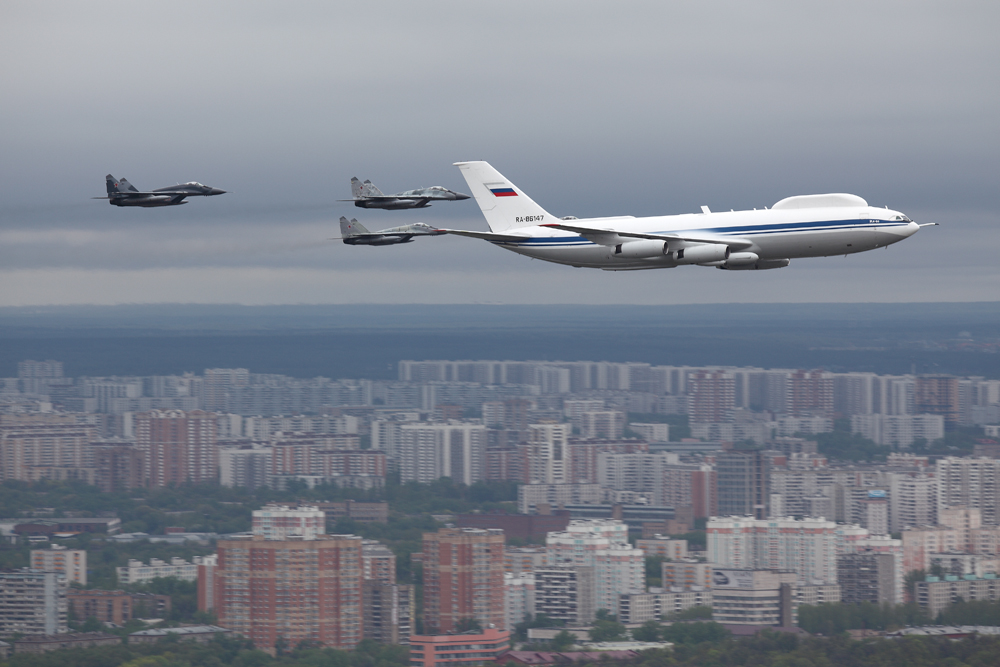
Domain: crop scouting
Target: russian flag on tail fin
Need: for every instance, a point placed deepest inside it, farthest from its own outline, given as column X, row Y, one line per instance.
column 500, row 189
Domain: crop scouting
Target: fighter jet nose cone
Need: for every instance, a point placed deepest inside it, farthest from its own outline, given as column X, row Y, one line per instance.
column 459, row 196
column 217, row 191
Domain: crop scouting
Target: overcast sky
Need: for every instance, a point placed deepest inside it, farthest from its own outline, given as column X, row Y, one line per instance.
column 641, row 108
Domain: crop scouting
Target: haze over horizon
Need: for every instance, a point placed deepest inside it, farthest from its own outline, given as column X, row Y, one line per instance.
column 598, row 110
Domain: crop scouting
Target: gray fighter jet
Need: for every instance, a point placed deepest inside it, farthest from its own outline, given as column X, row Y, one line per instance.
column 367, row 195
column 123, row 193
column 354, row 233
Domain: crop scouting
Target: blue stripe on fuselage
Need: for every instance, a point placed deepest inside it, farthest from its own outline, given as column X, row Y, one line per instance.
column 787, row 227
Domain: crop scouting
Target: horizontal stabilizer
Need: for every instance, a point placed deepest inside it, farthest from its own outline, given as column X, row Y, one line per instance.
column 588, row 232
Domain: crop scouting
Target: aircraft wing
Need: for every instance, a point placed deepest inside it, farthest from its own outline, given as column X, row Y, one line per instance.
column 486, row 236
column 597, row 234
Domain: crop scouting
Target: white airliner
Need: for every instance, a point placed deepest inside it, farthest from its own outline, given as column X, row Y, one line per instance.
column 803, row 226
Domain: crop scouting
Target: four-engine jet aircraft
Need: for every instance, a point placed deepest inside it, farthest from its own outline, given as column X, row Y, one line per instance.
column 802, row 226
column 354, row 233
column 123, row 193
column 366, row 195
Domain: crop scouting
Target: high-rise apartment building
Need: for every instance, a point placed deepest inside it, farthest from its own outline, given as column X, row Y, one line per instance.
column 429, row 451
column 47, row 448
column 810, row 393
column 566, row 593
column 245, row 466
column 601, row 424
column 378, row 563
column 808, row 547
column 545, row 456
column 912, row 501
column 518, row 597
column 178, row 447
column 277, row 522
column 970, row 482
column 32, row 602
column 463, row 578
column 71, row 563
column 866, row 576
column 712, row 395
column 938, row 395
column 899, row 431
column 742, row 482
column 602, row 544
column 295, row 590
column 219, row 385
column 119, row 467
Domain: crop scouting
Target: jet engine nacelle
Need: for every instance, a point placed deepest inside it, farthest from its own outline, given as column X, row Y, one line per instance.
column 741, row 260
column 758, row 265
column 702, row 254
column 641, row 249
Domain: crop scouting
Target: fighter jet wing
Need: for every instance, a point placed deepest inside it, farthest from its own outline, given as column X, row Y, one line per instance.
column 486, row 236
column 599, row 235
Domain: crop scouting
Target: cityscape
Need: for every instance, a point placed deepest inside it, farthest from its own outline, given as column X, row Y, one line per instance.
column 292, row 418
column 626, row 494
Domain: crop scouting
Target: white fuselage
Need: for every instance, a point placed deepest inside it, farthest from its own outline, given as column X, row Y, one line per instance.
column 776, row 234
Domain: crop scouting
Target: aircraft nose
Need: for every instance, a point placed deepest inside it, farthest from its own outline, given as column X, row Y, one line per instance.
column 459, row 196
column 216, row 191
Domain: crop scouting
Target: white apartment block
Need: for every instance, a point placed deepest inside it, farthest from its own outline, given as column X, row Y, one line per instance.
column 530, row 496
column 972, row 483
column 899, row 431
column 603, row 424
column 807, row 547
column 32, row 603
column 137, row 572
column 664, row 546
column 277, row 522
column 547, row 453
column 518, row 597
column 652, row 432
column 634, row 608
column 912, row 501
column 429, row 451
column 248, row 468
column 789, row 426
column 71, row 563
column 573, row 408
column 686, row 574
column 602, row 544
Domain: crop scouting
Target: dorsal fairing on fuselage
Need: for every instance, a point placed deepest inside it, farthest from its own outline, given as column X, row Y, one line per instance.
column 830, row 200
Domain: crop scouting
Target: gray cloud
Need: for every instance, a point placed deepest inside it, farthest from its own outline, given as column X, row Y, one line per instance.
column 644, row 108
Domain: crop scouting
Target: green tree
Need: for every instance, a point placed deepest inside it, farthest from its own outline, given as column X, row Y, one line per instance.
column 607, row 631
column 654, row 570
column 690, row 614
column 650, row 631
column 562, row 641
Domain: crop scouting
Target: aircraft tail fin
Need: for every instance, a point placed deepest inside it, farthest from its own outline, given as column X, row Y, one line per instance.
column 357, row 189
column 112, row 184
column 124, row 186
column 351, row 228
column 369, row 190
column 503, row 204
